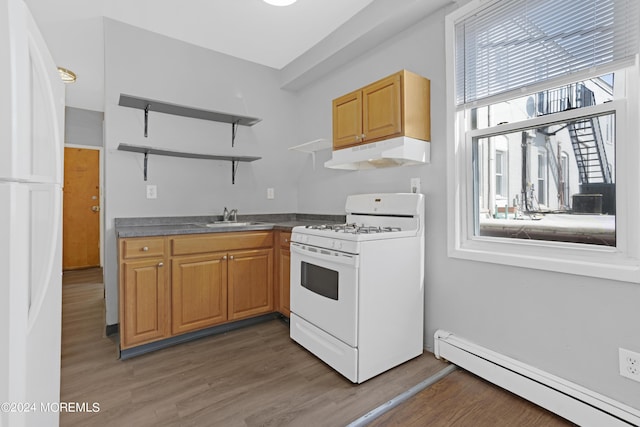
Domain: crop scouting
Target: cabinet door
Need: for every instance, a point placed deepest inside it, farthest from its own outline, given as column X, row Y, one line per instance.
column 283, row 265
column 250, row 283
column 347, row 120
column 381, row 106
column 284, row 269
column 199, row 292
column 144, row 299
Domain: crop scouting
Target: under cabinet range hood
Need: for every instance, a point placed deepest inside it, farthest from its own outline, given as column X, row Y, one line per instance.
column 400, row 151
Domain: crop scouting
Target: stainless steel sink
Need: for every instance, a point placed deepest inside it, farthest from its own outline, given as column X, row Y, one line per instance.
column 221, row 224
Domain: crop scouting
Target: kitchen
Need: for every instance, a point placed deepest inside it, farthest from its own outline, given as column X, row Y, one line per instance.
column 542, row 318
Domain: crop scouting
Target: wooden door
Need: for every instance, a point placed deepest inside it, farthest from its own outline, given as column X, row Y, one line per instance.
column 199, row 292
column 81, row 209
column 381, row 106
column 347, row 120
column 144, row 298
column 250, row 283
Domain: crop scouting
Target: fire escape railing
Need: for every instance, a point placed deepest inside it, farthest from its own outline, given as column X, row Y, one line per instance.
column 586, row 136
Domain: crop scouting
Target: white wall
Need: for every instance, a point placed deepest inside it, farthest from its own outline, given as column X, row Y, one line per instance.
column 567, row 325
column 145, row 64
column 83, row 127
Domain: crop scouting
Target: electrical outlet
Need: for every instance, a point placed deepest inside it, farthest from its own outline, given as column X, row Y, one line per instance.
column 629, row 364
column 415, row 185
column 271, row 193
column 152, row 192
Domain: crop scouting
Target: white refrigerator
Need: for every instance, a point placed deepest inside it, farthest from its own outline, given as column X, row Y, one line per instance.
column 31, row 160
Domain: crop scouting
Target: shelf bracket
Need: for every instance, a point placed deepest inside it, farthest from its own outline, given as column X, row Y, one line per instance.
column 234, row 169
column 146, row 160
column 234, row 130
column 146, row 121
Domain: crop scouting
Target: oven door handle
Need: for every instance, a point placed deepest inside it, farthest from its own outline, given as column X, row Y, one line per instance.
column 324, row 254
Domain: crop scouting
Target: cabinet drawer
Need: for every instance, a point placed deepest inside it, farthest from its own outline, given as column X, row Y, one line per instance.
column 142, row 247
column 215, row 242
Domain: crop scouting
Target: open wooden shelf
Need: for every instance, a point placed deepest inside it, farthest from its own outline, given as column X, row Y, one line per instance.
column 150, row 150
column 148, row 105
column 181, row 110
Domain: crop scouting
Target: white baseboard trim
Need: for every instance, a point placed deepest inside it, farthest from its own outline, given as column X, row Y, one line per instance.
column 571, row 401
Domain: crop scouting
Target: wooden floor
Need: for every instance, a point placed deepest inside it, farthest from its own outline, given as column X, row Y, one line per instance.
column 255, row 376
column 462, row 399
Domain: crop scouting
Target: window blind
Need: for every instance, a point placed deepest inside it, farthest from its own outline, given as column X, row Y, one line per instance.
column 515, row 43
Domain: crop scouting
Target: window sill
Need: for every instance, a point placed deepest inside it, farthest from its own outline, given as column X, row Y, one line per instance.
column 561, row 257
column 585, row 229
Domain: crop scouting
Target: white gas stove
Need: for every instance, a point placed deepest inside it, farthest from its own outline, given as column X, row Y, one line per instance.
column 357, row 288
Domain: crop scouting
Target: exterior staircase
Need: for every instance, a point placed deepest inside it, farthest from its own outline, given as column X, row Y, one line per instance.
column 588, row 148
column 585, row 134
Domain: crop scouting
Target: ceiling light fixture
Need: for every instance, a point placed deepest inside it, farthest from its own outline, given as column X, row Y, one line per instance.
column 280, row 2
column 67, row 76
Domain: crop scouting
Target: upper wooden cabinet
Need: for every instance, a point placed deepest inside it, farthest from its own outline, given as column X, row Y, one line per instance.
column 347, row 120
column 397, row 105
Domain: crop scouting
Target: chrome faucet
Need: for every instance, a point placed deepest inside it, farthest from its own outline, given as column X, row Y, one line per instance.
column 231, row 215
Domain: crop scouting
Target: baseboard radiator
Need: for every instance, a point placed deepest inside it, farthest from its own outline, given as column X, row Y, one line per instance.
column 570, row 401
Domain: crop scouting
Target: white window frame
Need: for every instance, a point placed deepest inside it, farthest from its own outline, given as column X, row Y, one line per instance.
column 541, row 181
column 617, row 263
column 504, row 173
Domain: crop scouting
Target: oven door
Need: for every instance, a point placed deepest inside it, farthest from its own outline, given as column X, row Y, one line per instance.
column 324, row 290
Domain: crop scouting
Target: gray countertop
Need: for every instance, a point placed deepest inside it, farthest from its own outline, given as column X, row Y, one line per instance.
column 166, row 226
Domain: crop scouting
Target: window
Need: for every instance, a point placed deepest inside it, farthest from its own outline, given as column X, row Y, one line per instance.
column 542, row 108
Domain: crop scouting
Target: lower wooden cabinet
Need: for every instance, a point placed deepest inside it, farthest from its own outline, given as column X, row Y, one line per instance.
column 283, row 268
column 209, row 279
column 250, row 283
column 198, row 292
column 144, row 302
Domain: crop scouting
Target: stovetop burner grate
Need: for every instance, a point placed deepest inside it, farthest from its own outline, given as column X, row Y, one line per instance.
column 354, row 228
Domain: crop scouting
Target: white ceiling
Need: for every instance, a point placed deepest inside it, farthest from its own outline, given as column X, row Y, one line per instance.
column 247, row 29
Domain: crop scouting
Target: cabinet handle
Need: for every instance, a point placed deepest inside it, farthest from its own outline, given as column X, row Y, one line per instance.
column 160, row 264
column 145, row 249
column 224, row 257
column 286, row 240
column 363, row 136
column 231, row 257
column 357, row 138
